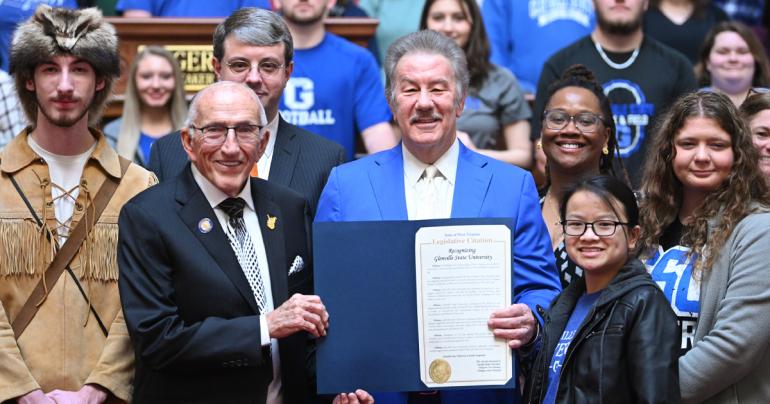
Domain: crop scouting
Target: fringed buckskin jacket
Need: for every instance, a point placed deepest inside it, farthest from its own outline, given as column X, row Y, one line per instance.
column 63, row 347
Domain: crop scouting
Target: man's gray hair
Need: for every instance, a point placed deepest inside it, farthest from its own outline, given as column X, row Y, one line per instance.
column 431, row 43
column 192, row 114
column 256, row 27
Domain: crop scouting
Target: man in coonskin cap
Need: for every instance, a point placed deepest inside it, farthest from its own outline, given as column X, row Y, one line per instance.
column 62, row 334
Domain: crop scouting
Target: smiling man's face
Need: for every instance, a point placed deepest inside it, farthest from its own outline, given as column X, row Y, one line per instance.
column 226, row 166
column 425, row 104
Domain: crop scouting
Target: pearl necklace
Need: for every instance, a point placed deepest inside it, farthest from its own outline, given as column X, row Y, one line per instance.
column 618, row 66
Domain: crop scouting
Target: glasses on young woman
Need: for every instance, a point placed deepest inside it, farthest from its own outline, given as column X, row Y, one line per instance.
column 585, row 122
column 602, row 228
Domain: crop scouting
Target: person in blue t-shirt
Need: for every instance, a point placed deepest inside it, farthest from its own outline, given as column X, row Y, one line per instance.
column 335, row 89
column 525, row 33
column 610, row 335
column 186, row 8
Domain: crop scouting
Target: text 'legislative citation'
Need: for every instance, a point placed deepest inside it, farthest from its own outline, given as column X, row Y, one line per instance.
column 463, row 274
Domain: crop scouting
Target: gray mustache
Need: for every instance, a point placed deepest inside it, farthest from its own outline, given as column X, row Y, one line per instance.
column 433, row 115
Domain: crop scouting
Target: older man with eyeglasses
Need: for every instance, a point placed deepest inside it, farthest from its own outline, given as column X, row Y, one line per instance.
column 254, row 46
column 215, row 271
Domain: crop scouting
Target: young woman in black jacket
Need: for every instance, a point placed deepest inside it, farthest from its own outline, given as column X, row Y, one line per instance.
column 609, row 337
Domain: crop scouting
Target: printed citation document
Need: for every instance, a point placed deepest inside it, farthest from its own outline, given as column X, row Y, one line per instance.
column 409, row 301
column 463, row 273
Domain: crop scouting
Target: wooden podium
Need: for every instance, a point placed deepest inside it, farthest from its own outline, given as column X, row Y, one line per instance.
column 190, row 40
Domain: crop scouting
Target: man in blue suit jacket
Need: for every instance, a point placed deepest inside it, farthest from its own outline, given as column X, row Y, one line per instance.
column 427, row 79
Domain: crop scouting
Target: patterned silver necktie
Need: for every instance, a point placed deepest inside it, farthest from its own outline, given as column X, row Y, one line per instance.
column 428, row 206
column 244, row 249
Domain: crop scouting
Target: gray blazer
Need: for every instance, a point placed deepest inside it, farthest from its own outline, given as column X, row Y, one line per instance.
column 730, row 361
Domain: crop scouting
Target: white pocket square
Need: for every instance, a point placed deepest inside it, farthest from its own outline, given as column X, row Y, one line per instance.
column 297, row 265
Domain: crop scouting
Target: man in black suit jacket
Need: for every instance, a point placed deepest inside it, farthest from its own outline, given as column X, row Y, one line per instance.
column 254, row 46
column 188, row 277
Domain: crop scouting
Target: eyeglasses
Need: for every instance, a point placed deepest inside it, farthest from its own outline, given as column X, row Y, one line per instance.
column 266, row 68
column 585, row 122
column 215, row 135
column 602, row 228
column 757, row 91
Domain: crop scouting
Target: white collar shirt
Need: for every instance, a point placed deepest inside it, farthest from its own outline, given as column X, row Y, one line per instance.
column 419, row 204
column 215, row 196
column 266, row 161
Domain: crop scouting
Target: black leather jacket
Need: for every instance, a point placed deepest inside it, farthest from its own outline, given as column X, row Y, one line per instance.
column 625, row 351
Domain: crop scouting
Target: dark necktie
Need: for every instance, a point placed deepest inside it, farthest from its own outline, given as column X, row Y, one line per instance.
column 243, row 247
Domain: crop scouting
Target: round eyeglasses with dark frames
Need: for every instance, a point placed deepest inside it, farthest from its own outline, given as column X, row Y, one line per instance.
column 585, row 122
column 602, row 228
column 215, row 135
column 266, row 68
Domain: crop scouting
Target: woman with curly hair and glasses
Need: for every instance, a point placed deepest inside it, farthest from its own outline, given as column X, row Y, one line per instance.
column 705, row 217
column 578, row 141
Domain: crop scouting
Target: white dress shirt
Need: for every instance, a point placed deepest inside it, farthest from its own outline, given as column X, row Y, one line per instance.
column 266, row 161
column 215, row 196
column 416, row 186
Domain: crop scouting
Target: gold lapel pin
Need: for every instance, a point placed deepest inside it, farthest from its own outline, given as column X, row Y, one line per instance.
column 271, row 222
column 205, row 225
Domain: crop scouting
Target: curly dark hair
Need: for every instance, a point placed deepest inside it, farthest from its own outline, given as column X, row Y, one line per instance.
column 580, row 76
column 477, row 49
column 726, row 206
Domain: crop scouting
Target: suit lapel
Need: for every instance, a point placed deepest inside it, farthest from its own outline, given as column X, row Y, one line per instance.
column 195, row 208
column 140, row 158
column 271, row 225
column 472, row 182
column 285, row 154
column 387, row 179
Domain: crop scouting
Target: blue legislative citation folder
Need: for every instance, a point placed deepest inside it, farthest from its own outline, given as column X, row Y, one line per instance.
column 365, row 275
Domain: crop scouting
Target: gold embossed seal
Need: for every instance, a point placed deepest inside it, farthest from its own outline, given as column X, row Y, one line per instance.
column 440, row 371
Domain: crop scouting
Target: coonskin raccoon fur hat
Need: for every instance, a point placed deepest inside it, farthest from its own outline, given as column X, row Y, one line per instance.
column 56, row 31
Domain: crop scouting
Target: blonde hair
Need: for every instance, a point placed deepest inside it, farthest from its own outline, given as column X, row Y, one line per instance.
column 128, row 136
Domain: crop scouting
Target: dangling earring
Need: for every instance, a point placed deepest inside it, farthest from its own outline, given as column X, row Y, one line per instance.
column 605, row 150
column 539, row 145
